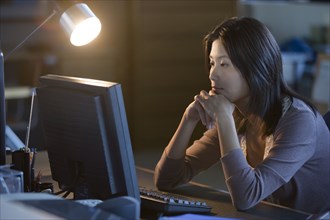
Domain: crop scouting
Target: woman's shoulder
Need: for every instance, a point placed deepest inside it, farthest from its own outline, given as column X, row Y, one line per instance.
column 298, row 113
column 299, row 107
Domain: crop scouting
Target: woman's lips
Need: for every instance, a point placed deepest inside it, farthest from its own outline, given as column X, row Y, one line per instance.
column 217, row 90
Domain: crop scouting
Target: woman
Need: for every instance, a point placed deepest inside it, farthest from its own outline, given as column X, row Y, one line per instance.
column 272, row 143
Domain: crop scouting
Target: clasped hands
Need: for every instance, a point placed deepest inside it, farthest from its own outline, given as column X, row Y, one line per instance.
column 207, row 106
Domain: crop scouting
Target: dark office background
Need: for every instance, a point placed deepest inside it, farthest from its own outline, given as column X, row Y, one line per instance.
column 153, row 48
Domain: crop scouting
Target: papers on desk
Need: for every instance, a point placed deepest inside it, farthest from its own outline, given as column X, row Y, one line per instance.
column 13, row 208
column 194, row 217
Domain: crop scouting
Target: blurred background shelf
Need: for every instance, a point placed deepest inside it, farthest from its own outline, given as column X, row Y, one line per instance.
column 154, row 49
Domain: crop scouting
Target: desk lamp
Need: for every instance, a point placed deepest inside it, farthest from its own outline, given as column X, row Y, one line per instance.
column 80, row 24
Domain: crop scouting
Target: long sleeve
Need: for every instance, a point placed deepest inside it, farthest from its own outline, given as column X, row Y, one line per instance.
column 296, row 171
column 202, row 154
column 300, row 156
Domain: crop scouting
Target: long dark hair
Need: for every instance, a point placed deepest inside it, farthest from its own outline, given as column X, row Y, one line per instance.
column 255, row 53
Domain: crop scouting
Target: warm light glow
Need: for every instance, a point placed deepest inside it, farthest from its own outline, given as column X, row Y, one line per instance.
column 80, row 24
column 85, row 31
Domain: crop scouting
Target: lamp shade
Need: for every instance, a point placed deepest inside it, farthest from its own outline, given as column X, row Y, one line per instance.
column 81, row 24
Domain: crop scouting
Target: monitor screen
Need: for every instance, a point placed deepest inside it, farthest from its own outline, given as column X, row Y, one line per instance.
column 87, row 137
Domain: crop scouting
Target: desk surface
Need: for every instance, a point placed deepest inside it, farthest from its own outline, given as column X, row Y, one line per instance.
column 219, row 200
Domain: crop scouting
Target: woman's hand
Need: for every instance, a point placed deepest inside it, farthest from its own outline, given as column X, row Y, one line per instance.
column 196, row 112
column 220, row 110
column 215, row 105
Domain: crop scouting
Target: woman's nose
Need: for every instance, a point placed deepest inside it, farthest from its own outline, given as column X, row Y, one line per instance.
column 212, row 75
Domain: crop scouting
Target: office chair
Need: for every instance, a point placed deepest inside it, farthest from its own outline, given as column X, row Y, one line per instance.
column 326, row 118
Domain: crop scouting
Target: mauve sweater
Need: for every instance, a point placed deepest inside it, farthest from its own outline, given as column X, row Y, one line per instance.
column 296, row 171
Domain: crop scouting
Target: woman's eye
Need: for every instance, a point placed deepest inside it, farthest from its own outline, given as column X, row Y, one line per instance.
column 211, row 63
column 223, row 64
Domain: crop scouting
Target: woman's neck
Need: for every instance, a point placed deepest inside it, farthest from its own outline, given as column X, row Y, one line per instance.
column 242, row 106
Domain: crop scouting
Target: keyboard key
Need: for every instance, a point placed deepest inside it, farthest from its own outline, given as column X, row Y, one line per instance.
column 168, row 203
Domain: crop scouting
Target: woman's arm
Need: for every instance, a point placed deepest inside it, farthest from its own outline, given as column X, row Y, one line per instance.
column 171, row 170
column 220, row 110
column 202, row 154
column 178, row 144
column 177, row 164
column 294, row 144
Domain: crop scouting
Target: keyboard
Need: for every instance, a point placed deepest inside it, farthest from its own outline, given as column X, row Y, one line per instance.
column 162, row 202
column 89, row 202
column 169, row 203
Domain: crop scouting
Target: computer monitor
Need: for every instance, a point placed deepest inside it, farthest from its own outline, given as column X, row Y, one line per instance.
column 87, row 137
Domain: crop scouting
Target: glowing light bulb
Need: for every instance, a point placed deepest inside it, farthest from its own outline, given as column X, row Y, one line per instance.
column 86, row 31
column 81, row 25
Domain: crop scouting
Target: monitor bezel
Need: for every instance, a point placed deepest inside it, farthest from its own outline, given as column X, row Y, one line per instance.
column 111, row 96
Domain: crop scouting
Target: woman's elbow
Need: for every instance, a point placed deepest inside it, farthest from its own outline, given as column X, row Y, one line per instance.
column 243, row 205
column 163, row 184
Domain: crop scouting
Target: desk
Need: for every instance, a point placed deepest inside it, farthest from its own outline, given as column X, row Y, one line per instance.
column 219, row 200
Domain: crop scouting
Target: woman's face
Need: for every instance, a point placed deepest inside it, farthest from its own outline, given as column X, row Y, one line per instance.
column 225, row 78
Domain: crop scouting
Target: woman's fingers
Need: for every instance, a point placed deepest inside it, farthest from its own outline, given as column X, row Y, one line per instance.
column 204, row 94
column 213, row 105
column 201, row 112
column 212, row 93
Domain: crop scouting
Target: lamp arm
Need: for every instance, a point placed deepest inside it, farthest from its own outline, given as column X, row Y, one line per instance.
column 27, row 37
column 2, row 88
